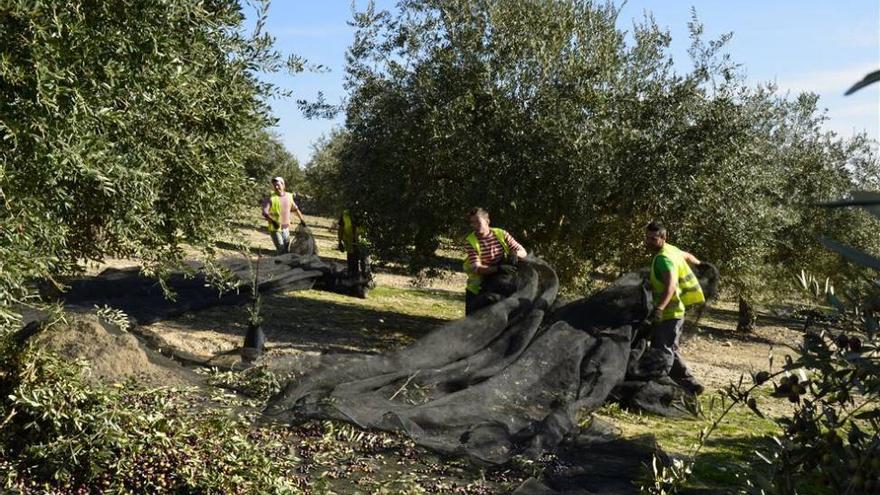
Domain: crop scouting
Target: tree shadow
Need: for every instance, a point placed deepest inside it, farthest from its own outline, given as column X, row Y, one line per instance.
column 717, row 333
column 446, row 263
column 734, row 461
column 251, row 249
column 763, row 319
column 310, row 325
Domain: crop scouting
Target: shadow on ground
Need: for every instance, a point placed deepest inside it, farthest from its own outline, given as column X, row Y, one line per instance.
column 306, row 324
column 720, row 324
column 726, row 469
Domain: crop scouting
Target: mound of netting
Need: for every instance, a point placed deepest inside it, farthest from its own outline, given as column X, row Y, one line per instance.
column 142, row 298
column 508, row 379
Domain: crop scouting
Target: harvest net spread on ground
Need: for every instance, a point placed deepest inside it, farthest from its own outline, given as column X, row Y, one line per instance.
column 509, row 379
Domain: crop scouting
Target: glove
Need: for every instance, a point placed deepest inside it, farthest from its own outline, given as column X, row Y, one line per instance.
column 512, row 259
column 340, row 246
column 656, row 315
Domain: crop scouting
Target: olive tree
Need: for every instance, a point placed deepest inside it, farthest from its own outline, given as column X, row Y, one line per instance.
column 575, row 134
column 124, row 129
column 322, row 173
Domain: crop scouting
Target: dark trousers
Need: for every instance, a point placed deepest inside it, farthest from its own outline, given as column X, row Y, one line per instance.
column 470, row 300
column 665, row 338
column 358, row 263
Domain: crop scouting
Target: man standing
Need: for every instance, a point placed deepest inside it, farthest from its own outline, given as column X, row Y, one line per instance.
column 486, row 249
column 350, row 242
column 276, row 210
column 674, row 286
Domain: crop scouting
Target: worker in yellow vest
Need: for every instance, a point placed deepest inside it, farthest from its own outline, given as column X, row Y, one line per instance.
column 352, row 243
column 486, row 249
column 674, row 287
column 276, row 211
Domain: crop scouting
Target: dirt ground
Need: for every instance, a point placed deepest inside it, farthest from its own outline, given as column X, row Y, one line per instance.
column 301, row 325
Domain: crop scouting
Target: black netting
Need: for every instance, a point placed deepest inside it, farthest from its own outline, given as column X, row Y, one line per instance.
column 142, row 298
column 510, row 378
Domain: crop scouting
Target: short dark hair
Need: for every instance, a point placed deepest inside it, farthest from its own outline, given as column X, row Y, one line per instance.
column 657, row 228
column 478, row 211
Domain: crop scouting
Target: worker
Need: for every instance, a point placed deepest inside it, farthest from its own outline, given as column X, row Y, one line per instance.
column 276, row 211
column 352, row 243
column 486, row 249
column 674, row 287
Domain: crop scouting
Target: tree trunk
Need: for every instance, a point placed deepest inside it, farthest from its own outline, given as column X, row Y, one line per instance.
column 747, row 317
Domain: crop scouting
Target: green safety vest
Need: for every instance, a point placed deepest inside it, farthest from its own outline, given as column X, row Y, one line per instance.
column 474, row 280
column 687, row 292
column 347, row 227
column 275, row 211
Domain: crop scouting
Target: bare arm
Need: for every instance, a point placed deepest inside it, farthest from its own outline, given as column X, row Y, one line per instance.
column 690, row 258
column 295, row 209
column 518, row 250
column 670, row 283
column 299, row 214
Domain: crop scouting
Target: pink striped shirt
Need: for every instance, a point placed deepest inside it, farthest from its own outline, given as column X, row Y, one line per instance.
column 491, row 251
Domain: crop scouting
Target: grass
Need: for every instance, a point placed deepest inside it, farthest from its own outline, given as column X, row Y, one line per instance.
column 726, row 459
column 426, row 303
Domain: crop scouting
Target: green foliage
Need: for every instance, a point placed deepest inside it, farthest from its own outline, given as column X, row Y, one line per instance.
column 124, row 130
column 114, row 316
column 61, row 431
column 833, row 437
column 322, row 175
column 271, row 159
column 256, row 381
column 667, row 478
column 574, row 138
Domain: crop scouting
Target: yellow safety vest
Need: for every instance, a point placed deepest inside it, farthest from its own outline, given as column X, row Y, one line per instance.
column 474, row 280
column 687, row 292
column 347, row 226
column 275, row 210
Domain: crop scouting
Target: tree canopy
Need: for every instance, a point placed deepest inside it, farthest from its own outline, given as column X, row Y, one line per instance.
column 574, row 134
column 124, row 130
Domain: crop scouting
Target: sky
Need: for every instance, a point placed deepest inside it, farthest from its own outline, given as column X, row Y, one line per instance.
column 801, row 45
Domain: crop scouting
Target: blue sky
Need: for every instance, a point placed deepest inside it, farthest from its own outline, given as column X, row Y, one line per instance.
column 802, row 45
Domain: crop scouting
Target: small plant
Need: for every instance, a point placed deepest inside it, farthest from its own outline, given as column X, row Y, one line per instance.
column 63, row 431
column 254, row 339
column 255, row 319
column 669, row 479
column 809, row 283
column 114, row 316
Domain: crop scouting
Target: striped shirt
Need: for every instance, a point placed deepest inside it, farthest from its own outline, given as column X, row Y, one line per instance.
column 491, row 251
